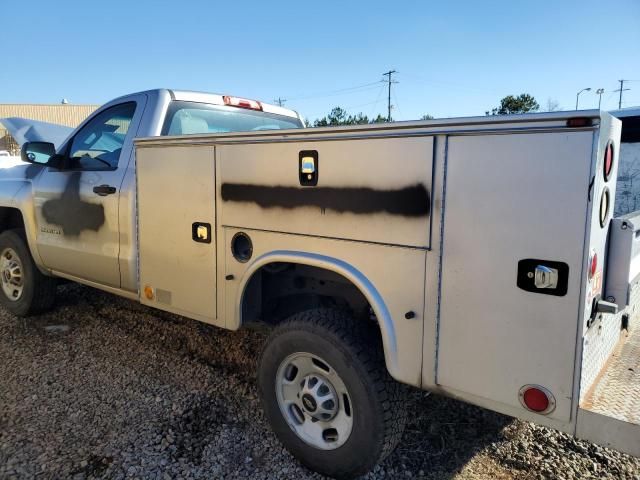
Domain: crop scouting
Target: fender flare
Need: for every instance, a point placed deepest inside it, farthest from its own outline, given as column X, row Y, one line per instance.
column 353, row 275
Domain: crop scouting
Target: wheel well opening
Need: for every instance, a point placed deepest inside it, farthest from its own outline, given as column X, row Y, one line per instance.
column 278, row 290
column 10, row 218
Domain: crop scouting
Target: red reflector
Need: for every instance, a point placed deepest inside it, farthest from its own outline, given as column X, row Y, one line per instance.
column 608, row 161
column 535, row 399
column 242, row 103
column 579, row 122
column 593, row 265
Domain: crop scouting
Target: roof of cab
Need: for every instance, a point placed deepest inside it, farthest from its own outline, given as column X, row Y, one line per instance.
column 211, row 98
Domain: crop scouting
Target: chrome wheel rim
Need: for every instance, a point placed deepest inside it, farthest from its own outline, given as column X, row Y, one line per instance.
column 12, row 274
column 314, row 401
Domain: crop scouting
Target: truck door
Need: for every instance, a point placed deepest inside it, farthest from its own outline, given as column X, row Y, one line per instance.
column 77, row 205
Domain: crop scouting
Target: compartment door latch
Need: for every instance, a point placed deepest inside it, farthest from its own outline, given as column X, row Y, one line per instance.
column 545, row 277
column 308, row 168
column 548, row 277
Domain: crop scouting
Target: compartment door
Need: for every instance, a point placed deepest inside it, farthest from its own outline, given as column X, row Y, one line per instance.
column 176, row 229
column 511, row 198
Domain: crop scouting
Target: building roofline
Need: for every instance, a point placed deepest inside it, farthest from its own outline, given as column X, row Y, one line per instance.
column 52, row 104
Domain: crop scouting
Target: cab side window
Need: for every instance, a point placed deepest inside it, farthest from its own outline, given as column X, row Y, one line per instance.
column 97, row 146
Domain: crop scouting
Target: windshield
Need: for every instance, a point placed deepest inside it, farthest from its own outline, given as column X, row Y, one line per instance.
column 185, row 118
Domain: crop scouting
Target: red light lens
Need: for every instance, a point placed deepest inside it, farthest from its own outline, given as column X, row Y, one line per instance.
column 608, row 161
column 593, row 265
column 242, row 103
column 535, row 399
column 578, row 122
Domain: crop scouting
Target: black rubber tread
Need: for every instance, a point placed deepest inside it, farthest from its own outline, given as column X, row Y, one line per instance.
column 39, row 291
column 362, row 344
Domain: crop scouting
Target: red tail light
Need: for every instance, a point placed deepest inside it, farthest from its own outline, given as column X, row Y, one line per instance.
column 578, row 122
column 537, row 399
column 608, row 161
column 593, row 264
column 242, row 103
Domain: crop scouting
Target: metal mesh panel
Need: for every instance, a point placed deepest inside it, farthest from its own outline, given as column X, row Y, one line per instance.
column 616, row 392
column 600, row 341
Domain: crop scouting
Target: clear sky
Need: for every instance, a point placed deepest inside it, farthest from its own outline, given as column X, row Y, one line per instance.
column 454, row 58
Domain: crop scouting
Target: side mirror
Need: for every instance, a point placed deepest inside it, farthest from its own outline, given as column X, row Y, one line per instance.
column 37, row 152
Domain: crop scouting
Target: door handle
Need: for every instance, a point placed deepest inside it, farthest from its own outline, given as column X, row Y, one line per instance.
column 104, row 190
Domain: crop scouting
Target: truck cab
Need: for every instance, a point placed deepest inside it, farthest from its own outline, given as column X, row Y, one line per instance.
column 82, row 198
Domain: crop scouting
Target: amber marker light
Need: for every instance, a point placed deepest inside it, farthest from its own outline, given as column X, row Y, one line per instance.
column 148, row 292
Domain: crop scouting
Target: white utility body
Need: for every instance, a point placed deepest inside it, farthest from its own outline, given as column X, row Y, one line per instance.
column 478, row 258
column 504, row 195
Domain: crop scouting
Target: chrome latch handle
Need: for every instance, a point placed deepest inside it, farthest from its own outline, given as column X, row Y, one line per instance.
column 545, row 277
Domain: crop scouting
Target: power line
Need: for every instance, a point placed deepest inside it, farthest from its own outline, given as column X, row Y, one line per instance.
column 397, row 105
column 381, row 87
column 359, row 105
column 621, row 89
column 375, row 105
column 450, row 85
column 330, row 93
column 280, row 101
column 389, row 82
column 346, row 108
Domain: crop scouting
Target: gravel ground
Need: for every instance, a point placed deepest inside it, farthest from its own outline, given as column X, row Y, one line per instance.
column 104, row 388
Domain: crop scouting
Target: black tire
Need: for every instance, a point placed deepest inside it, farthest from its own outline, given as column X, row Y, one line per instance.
column 355, row 352
column 39, row 290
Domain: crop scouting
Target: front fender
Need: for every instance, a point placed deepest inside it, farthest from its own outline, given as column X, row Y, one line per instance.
column 18, row 194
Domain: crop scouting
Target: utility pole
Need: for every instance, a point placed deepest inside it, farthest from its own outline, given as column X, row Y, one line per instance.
column 621, row 89
column 389, row 82
column 280, row 101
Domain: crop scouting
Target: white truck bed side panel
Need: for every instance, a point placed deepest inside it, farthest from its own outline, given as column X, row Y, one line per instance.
column 508, row 198
column 600, row 338
column 397, row 274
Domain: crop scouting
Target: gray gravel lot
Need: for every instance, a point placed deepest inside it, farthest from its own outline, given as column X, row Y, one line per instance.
column 104, row 388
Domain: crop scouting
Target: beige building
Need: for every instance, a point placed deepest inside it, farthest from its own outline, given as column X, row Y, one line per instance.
column 62, row 114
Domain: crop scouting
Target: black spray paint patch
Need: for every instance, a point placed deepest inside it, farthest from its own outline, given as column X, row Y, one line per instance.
column 32, row 171
column 410, row 201
column 71, row 213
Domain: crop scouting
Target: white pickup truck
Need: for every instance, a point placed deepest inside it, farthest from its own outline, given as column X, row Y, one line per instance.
column 476, row 258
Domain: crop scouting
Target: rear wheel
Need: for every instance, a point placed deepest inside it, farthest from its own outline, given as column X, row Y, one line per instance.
column 25, row 290
column 327, row 394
